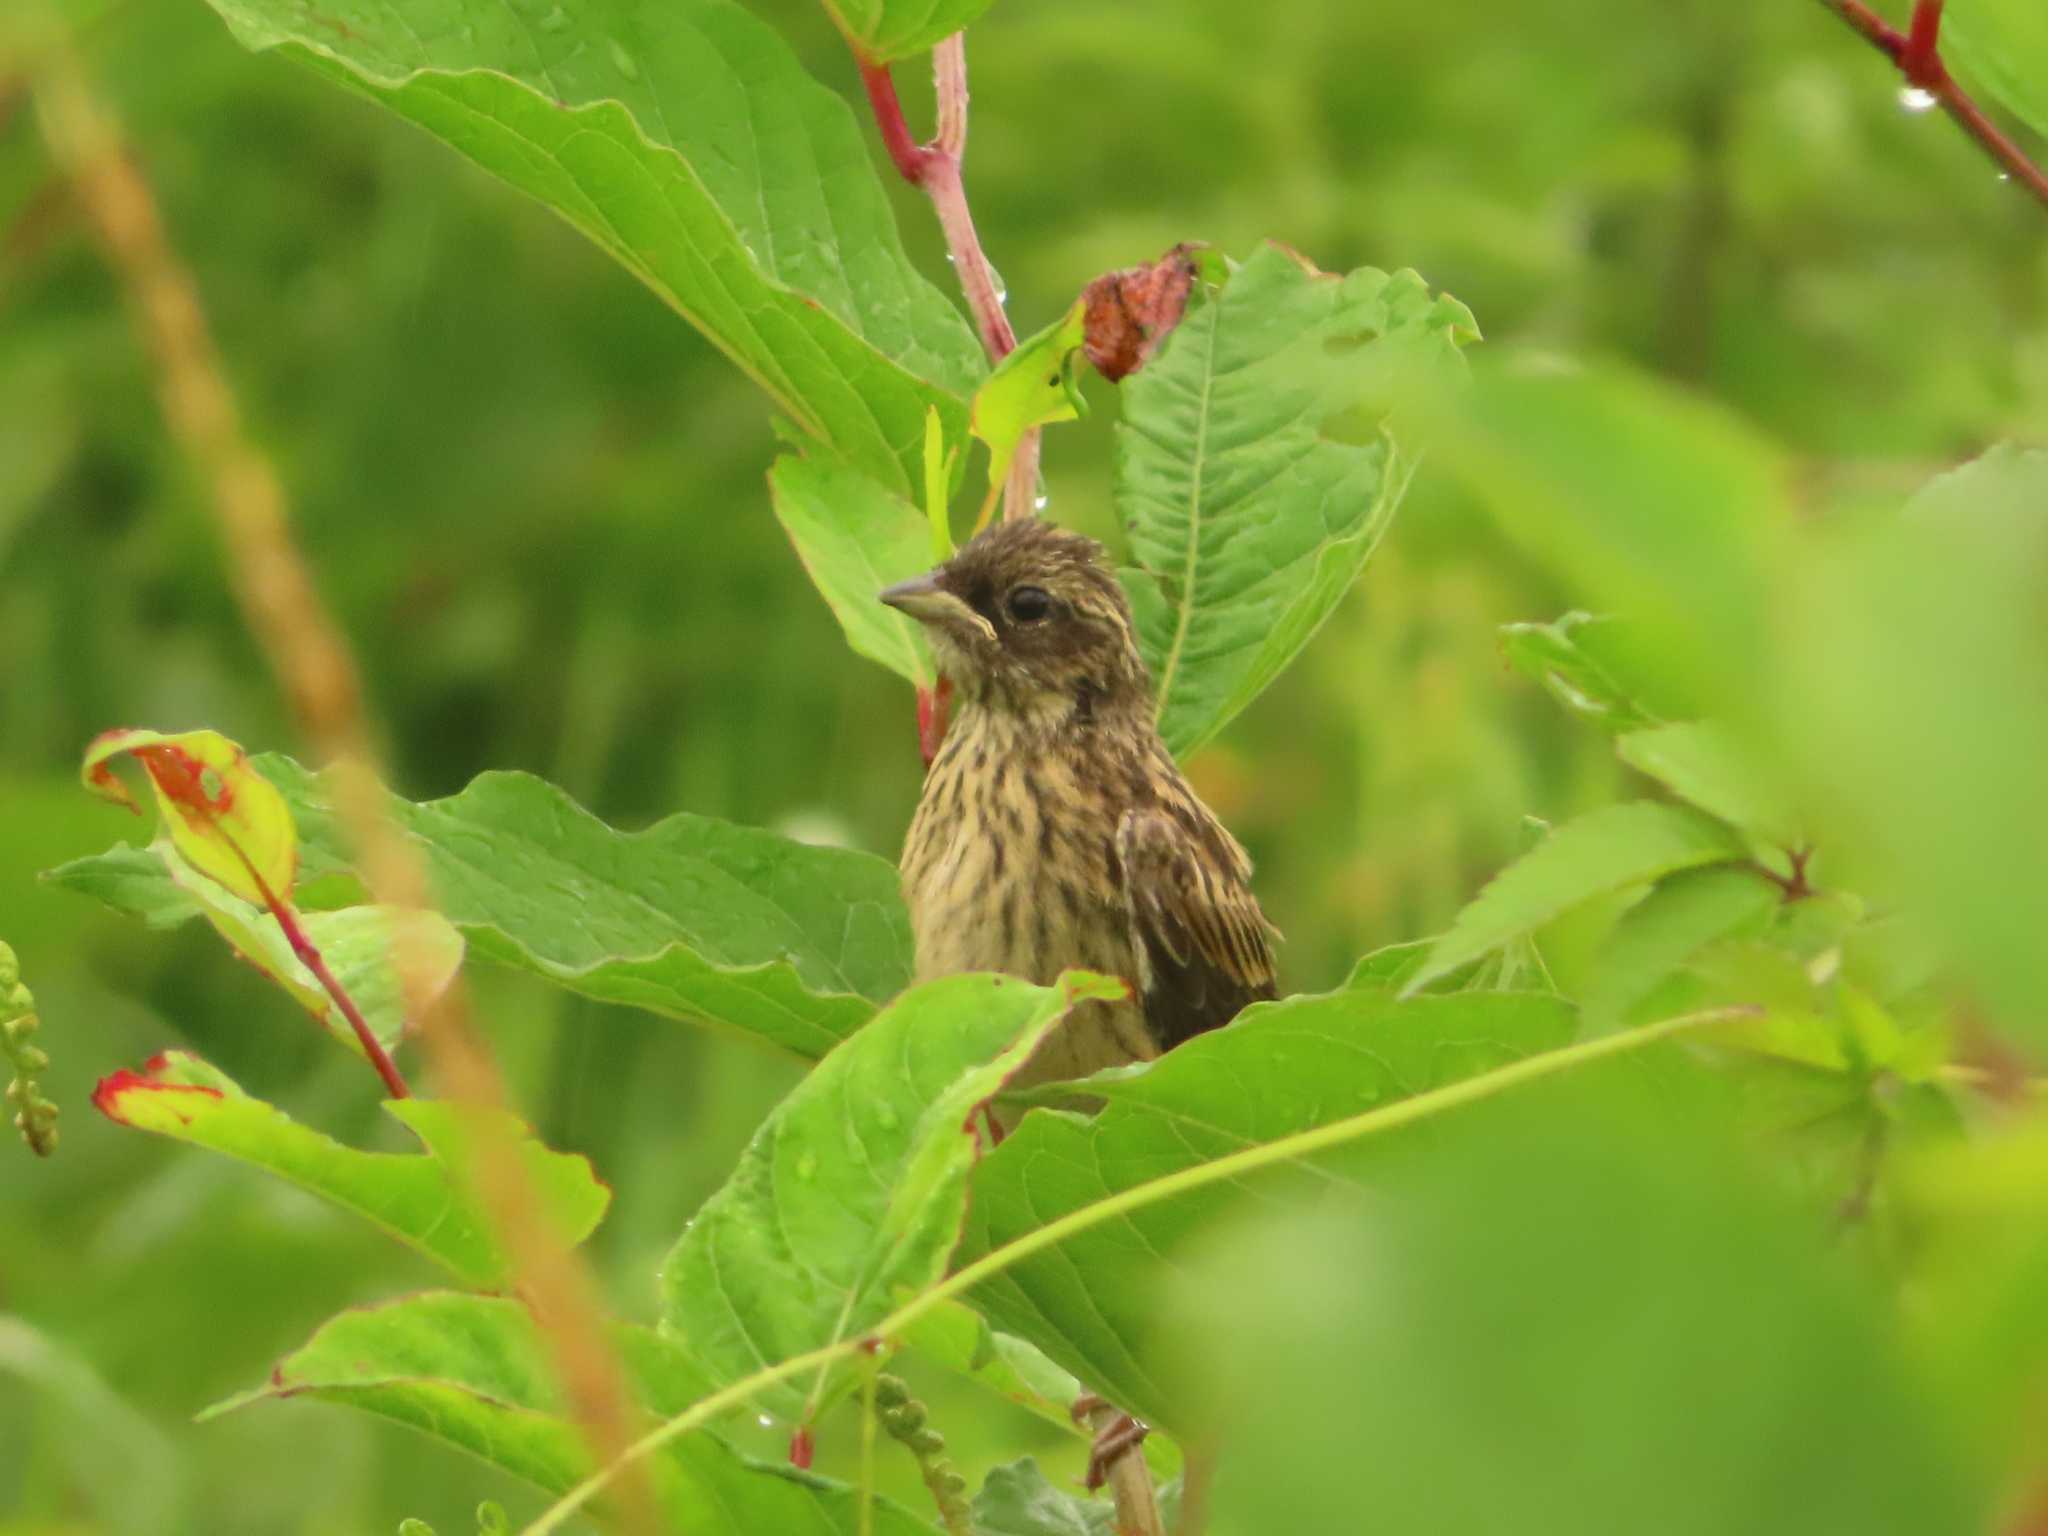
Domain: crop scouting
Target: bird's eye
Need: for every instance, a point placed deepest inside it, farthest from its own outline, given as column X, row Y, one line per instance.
column 1029, row 604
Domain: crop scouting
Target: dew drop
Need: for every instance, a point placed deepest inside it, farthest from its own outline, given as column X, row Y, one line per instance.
column 1913, row 99
column 2005, row 175
column 624, row 60
column 1040, row 502
column 886, row 1117
column 807, row 1166
column 766, row 1421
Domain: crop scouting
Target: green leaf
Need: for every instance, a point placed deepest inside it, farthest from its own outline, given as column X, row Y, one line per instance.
column 693, row 917
column 1913, row 700
column 1579, row 1303
column 855, row 538
column 1580, row 660
column 1248, row 519
column 1646, row 503
column 1032, row 387
column 684, row 138
column 2003, row 44
column 157, row 885
column 225, row 818
column 856, row 1184
column 884, row 30
column 1280, row 1068
column 422, row 1199
column 474, row 1371
column 1700, row 762
column 1680, row 916
column 957, row 1337
column 1016, row 1500
column 1606, row 850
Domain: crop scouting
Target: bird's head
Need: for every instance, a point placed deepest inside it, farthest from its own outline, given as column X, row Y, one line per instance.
column 1027, row 618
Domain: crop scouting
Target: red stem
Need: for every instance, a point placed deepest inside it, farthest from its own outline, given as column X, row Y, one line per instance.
column 1917, row 53
column 310, row 957
column 912, row 159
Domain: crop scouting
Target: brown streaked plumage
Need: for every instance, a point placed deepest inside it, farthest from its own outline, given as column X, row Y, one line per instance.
column 1055, row 830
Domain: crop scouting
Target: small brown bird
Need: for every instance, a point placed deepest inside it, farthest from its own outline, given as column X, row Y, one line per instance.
column 1055, row 831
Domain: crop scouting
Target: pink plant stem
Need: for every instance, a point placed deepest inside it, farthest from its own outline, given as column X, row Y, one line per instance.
column 935, row 169
column 310, row 957
column 1917, row 53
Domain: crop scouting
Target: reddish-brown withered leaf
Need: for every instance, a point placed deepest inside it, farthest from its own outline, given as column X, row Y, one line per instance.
column 1129, row 313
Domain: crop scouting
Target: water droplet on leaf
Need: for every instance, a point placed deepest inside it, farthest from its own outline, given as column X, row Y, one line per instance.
column 1913, row 99
column 807, row 1166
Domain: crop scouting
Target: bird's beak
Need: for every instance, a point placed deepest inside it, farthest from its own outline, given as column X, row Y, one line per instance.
column 929, row 603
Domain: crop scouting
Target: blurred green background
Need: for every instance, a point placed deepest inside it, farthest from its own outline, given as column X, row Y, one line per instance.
column 536, row 500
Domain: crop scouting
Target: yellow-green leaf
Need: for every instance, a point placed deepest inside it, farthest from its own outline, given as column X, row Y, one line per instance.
column 226, row 819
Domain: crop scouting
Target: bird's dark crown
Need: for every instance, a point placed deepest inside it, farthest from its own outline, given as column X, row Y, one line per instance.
column 1027, row 615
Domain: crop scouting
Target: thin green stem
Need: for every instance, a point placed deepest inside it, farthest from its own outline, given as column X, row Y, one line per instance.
column 1287, row 1149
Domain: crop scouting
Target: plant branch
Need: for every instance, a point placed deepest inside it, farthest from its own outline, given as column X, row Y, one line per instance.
column 935, row 168
column 313, row 663
column 310, row 957
column 1917, row 53
column 1286, row 1149
column 1129, row 1478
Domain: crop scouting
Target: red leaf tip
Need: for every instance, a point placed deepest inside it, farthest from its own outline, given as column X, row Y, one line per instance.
column 110, row 1096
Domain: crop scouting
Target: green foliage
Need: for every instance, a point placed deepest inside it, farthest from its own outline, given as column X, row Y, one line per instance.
column 1559, row 1279
column 1018, row 1501
column 357, row 942
column 1248, row 519
column 1603, row 851
column 1777, row 1265
column 425, row 1200
column 881, row 30
column 34, row 1116
column 693, row 917
column 685, row 140
column 474, row 1371
column 1217, row 1094
column 2004, row 44
column 855, row 1187
column 855, row 538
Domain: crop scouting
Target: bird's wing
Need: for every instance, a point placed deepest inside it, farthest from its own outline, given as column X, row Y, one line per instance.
column 1204, row 948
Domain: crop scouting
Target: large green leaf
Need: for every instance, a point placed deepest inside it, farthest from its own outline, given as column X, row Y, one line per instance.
column 882, row 30
column 474, row 1371
column 1606, row 850
column 424, row 1199
column 856, row 538
column 693, row 917
column 856, row 1185
column 1247, row 521
column 1581, row 1313
column 1280, row 1068
column 684, row 138
column 1912, row 687
column 2003, row 44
